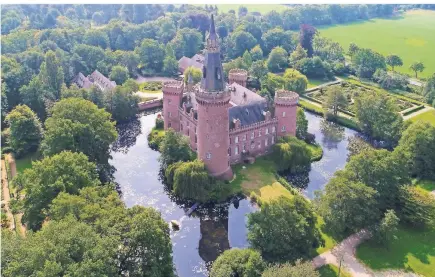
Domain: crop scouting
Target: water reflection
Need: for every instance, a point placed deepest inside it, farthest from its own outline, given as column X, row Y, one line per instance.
column 333, row 134
column 127, row 135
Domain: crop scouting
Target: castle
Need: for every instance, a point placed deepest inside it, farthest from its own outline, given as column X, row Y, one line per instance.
column 226, row 123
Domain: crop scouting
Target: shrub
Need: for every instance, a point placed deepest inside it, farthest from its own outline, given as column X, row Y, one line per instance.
column 417, row 207
column 291, row 154
column 159, row 123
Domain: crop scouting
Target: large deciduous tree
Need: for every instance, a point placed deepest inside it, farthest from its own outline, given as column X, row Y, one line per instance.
column 152, row 54
column 51, row 74
column 239, row 42
column 66, row 171
column 97, row 37
column 25, row 130
column 291, row 154
column 278, row 37
column 187, row 42
column 170, row 63
column 80, row 126
column 429, row 90
column 417, row 67
column 238, row 262
column 301, row 124
column 35, row 95
column 295, row 81
column 366, row 61
column 393, row 60
column 278, row 60
column 121, row 102
column 119, row 74
column 174, row 147
column 306, row 35
column 335, row 100
column 300, row 268
column 294, row 233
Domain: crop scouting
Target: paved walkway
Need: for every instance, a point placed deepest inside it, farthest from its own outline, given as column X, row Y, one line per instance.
column 6, row 196
column 346, row 251
column 426, row 109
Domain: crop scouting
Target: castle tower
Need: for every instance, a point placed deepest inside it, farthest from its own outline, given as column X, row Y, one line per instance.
column 239, row 76
column 172, row 95
column 286, row 104
column 213, row 100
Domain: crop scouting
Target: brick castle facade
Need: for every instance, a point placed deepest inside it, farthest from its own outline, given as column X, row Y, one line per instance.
column 226, row 123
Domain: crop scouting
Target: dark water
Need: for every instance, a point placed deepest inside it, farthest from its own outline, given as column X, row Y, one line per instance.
column 210, row 230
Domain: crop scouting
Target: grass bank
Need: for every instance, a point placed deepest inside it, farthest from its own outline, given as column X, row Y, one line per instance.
column 412, row 251
column 428, row 116
column 330, row 270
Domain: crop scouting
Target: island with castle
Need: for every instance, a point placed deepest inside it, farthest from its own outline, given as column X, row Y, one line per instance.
column 226, row 123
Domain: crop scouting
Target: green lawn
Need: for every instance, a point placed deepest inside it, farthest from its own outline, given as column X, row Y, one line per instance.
column 26, row 162
column 427, row 185
column 254, row 176
column 315, row 82
column 428, row 116
column 262, row 8
column 414, row 251
column 330, row 270
column 407, row 36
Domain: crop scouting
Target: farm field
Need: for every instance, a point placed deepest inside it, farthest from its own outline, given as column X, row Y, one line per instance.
column 407, row 36
column 262, row 8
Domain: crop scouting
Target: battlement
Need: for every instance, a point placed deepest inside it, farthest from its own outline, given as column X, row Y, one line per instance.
column 239, row 76
column 286, row 97
column 237, row 72
column 173, row 87
column 212, row 98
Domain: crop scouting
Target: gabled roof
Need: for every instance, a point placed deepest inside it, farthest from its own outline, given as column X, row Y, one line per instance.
column 185, row 62
column 247, row 114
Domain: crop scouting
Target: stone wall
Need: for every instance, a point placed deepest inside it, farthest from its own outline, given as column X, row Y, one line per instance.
column 150, row 104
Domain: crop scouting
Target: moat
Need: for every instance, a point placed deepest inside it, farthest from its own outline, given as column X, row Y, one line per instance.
column 209, row 230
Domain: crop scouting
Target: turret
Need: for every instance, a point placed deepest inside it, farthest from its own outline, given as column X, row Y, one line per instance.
column 286, row 103
column 213, row 100
column 239, row 76
column 172, row 96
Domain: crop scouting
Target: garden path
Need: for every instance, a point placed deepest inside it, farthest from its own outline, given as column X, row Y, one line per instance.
column 13, row 170
column 427, row 108
column 7, row 196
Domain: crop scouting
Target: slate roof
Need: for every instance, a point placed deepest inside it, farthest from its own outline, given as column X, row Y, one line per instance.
column 101, row 81
column 243, row 96
column 248, row 114
column 82, row 81
column 199, row 58
column 185, row 62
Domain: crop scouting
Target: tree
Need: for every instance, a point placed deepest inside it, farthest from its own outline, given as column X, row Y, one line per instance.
column 151, row 54
column 291, row 154
column 122, row 103
column 240, row 41
column 366, row 61
column 256, row 53
column 385, row 231
column 34, row 95
column 300, row 268
column 66, row 171
column 79, row 126
column 327, row 49
column 258, row 69
column 242, row 11
column 98, row 18
column 417, row 67
column 429, row 90
column 378, row 117
column 170, row 63
column 87, row 57
column 25, row 130
column 390, row 81
column 295, row 81
column 417, row 146
column 417, row 207
column 119, row 74
column 97, row 37
column 297, row 55
column 356, row 145
column 277, row 37
column 314, row 68
column 247, row 59
column 393, row 60
column 294, row 233
column 238, row 262
column 306, row 35
column 335, row 100
column 62, row 248
column 143, row 244
column 187, row 42
column 301, row 124
column 51, row 74
column 277, row 60
column 347, row 206
column 194, row 72
column 175, row 147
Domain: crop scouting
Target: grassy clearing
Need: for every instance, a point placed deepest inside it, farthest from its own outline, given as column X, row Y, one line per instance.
column 316, row 152
column 26, row 162
column 262, row 8
column 406, row 36
column 329, row 241
column 315, row 82
column 428, row 116
column 427, row 185
column 414, row 251
column 252, row 177
column 330, row 270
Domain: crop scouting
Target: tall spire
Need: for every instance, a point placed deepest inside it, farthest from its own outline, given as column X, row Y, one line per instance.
column 212, row 79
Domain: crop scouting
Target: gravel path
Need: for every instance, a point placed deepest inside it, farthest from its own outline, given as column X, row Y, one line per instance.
column 6, row 196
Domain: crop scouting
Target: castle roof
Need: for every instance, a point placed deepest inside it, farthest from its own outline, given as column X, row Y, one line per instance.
column 243, row 96
column 185, row 62
column 248, row 114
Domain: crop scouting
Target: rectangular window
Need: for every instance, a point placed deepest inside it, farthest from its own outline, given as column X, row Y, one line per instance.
column 230, row 140
column 252, row 145
column 229, row 151
column 208, row 156
column 244, row 147
column 273, row 129
column 169, row 101
column 196, row 139
column 169, row 114
column 181, row 127
column 236, row 140
column 259, row 133
column 273, row 140
column 236, row 150
column 252, row 135
column 169, row 125
column 266, row 142
column 283, row 129
column 267, row 131
column 283, row 114
column 244, row 137
column 259, row 145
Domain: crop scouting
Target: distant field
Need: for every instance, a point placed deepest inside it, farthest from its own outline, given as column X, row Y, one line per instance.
column 411, row 37
column 262, row 8
column 428, row 116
